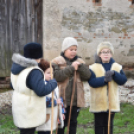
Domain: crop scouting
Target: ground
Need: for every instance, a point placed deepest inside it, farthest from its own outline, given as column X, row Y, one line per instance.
column 123, row 123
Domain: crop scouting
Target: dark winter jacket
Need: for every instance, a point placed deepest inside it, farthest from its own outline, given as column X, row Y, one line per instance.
column 35, row 79
column 68, row 72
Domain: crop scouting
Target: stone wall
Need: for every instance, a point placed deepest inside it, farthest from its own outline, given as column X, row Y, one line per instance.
column 126, row 93
column 90, row 23
column 5, row 83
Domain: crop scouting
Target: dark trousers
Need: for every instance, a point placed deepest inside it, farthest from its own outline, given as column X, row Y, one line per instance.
column 101, row 123
column 41, row 132
column 73, row 120
column 27, row 130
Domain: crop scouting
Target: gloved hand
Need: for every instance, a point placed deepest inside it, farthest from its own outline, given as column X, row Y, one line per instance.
column 109, row 76
column 97, row 58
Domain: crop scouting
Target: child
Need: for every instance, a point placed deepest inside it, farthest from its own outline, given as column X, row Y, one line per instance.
column 27, row 79
column 46, row 127
column 105, row 71
column 64, row 67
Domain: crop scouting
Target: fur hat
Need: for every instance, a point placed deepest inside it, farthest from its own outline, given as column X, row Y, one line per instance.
column 33, row 50
column 68, row 42
column 104, row 45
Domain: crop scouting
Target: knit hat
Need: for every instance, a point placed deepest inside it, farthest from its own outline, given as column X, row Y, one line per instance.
column 33, row 50
column 104, row 45
column 68, row 42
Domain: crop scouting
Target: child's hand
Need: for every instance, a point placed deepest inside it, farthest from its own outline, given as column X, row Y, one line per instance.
column 59, row 101
column 63, row 116
column 109, row 75
column 75, row 64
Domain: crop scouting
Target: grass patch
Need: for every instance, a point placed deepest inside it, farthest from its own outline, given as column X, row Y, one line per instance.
column 123, row 122
column 5, row 90
column 6, row 125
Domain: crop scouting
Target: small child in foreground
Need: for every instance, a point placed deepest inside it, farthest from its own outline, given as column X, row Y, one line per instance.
column 58, row 110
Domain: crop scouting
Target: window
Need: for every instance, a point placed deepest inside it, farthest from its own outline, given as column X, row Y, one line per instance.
column 96, row 1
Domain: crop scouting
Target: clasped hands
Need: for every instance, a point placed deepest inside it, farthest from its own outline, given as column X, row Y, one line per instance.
column 75, row 64
column 109, row 75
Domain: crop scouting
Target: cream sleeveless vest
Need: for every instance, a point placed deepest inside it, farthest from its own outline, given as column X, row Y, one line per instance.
column 99, row 101
column 29, row 110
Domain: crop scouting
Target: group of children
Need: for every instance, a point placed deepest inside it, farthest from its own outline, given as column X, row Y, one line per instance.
column 32, row 84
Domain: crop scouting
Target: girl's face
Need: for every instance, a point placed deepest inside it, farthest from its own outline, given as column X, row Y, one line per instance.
column 71, row 52
column 105, row 55
column 47, row 74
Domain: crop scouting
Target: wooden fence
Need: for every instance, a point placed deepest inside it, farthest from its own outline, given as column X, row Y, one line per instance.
column 20, row 23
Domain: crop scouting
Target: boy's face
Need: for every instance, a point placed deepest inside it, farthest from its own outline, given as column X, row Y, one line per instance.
column 47, row 74
column 105, row 55
column 71, row 52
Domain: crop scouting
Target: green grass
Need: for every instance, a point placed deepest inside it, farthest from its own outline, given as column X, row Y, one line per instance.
column 5, row 90
column 6, row 125
column 123, row 122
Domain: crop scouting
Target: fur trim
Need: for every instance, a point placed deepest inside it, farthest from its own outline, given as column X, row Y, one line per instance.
column 25, row 62
column 60, row 61
column 99, row 101
column 105, row 45
column 26, row 105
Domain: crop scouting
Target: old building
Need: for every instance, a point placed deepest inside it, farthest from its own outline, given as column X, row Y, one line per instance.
column 50, row 21
column 20, row 22
column 90, row 22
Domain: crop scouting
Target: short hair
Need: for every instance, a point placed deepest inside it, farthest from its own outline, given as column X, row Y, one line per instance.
column 44, row 64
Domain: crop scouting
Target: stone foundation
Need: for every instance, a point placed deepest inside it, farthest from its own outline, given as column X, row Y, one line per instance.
column 5, row 83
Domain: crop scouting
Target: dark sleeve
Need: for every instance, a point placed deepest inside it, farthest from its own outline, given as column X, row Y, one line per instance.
column 35, row 81
column 84, row 72
column 62, row 74
column 120, row 78
column 96, row 82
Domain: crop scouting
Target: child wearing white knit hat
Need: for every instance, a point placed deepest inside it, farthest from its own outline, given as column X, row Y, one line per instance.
column 104, row 45
column 68, row 42
column 64, row 67
column 105, row 70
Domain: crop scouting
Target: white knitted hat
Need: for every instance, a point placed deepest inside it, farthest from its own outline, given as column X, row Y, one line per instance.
column 68, row 42
column 104, row 45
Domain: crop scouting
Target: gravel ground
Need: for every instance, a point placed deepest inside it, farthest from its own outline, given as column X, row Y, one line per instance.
column 5, row 101
column 126, row 94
